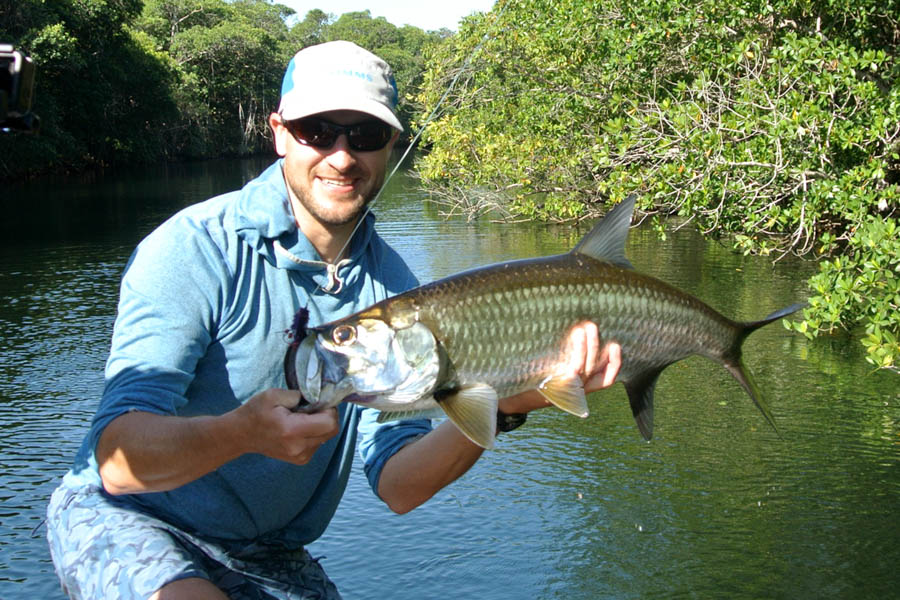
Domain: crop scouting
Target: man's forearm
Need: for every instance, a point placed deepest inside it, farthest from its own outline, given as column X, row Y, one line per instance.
column 145, row 452
column 420, row 470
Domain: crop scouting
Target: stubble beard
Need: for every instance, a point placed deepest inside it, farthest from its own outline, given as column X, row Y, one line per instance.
column 335, row 218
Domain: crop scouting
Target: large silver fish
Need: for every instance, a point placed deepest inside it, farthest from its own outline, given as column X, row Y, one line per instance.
column 455, row 346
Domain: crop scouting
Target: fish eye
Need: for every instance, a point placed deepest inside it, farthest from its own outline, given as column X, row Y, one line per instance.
column 343, row 335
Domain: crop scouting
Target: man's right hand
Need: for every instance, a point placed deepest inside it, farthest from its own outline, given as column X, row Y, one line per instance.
column 274, row 430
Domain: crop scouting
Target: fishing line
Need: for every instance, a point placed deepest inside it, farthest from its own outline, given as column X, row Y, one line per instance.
column 415, row 139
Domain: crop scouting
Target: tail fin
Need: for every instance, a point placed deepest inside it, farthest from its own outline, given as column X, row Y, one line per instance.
column 778, row 314
column 735, row 363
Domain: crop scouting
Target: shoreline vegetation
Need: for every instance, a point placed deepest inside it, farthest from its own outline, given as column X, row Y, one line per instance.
column 773, row 125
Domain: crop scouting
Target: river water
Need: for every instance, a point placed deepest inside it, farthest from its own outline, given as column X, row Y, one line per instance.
column 717, row 505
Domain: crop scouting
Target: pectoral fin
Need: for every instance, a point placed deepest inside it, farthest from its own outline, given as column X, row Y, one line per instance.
column 640, row 395
column 565, row 394
column 473, row 409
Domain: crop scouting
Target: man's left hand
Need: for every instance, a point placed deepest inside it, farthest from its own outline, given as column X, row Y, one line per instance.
column 584, row 359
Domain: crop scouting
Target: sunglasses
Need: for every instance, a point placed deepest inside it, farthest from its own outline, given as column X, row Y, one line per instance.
column 367, row 136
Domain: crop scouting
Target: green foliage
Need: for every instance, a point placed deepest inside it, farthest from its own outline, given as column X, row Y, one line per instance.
column 122, row 81
column 311, row 30
column 775, row 123
column 861, row 286
column 101, row 97
column 362, row 29
column 230, row 58
column 231, row 62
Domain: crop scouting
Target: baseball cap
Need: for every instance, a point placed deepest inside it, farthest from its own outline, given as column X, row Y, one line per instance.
column 338, row 76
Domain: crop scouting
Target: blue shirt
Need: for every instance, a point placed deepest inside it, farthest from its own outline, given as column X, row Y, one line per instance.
column 205, row 305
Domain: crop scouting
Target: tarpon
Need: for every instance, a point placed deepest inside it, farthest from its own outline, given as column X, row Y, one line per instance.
column 455, row 346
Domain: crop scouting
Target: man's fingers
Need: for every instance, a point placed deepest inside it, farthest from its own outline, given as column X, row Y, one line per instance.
column 304, row 433
column 583, row 351
column 323, row 424
column 592, row 345
column 575, row 351
column 613, row 353
column 285, row 398
column 609, row 363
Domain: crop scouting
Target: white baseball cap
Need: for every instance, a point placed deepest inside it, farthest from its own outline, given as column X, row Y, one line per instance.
column 338, row 76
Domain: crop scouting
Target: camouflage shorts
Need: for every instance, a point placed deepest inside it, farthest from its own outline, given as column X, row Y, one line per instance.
column 102, row 549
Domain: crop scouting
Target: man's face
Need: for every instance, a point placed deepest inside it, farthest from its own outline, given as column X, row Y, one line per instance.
column 330, row 185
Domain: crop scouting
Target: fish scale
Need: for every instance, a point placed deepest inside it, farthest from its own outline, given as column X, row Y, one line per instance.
column 460, row 343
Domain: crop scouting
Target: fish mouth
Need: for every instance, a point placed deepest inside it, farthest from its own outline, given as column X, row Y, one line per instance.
column 298, row 332
column 290, row 368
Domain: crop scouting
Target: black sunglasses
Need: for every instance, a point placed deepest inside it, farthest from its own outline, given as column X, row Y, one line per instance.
column 367, row 136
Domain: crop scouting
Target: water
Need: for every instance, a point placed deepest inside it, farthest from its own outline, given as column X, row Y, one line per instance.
column 717, row 505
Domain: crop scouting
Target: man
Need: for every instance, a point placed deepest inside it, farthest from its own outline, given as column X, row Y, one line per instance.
column 196, row 479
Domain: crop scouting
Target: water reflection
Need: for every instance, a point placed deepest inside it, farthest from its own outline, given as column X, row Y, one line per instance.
column 717, row 505
column 127, row 204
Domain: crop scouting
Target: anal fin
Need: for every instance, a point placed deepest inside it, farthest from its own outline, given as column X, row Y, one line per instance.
column 473, row 409
column 640, row 396
column 565, row 394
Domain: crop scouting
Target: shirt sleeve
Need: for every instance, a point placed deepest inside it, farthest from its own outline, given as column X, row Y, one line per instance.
column 380, row 441
column 170, row 293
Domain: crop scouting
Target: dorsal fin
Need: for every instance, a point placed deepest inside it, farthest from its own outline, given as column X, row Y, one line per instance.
column 606, row 241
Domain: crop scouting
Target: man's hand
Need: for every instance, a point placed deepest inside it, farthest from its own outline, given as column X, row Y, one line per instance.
column 274, row 430
column 596, row 367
